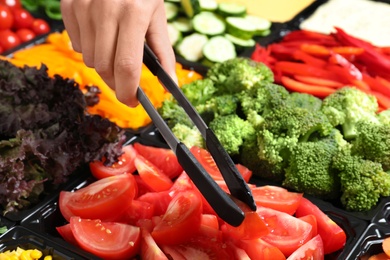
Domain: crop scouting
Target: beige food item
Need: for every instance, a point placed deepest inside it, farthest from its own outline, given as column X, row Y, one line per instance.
column 365, row 19
column 273, row 10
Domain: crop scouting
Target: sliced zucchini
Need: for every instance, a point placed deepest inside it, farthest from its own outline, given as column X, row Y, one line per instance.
column 190, row 7
column 174, row 34
column 240, row 43
column 219, row 49
column 191, row 47
column 209, row 23
column 171, row 10
column 262, row 25
column 241, row 27
column 208, row 5
column 231, row 9
column 183, row 24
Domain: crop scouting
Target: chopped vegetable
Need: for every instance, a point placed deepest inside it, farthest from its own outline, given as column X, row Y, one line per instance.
column 22, row 254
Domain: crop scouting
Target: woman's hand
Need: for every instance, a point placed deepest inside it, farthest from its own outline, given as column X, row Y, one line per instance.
column 111, row 33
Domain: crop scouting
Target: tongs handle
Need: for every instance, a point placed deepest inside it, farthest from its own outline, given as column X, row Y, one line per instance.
column 223, row 205
column 236, row 184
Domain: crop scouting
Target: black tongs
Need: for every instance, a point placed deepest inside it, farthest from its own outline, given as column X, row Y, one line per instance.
column 219, row 200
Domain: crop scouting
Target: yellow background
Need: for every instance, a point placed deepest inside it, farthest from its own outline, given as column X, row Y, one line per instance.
column 274, row 10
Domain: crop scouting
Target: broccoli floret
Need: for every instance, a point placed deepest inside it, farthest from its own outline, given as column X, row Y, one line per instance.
column 296, row 122
column 362, row 181
column 348, row 105
column 373, row 142
column 263, row 97
column 384, row 117
column 217, row 106
column 190, row 136
column 231, row 130
column 173, row 113
column 304, row 100
column 199, row 91
column 310, row 167
column 235, row 75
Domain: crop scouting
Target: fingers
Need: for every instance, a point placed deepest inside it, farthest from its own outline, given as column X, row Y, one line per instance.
column 71, row 24
column 158, row 39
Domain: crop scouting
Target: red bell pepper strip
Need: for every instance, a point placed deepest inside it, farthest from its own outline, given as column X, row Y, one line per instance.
column 383, row 100
column 316, row 90
column 377, row 85
column 336, row 58
column 315, row 49
column 319, row 81
column 308, row 59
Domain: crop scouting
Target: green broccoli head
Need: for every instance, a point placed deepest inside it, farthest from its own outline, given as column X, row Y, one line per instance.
column 296, row 122
column 190, row 136
column 238, row 74
column 310, row 167
column 231, row 130
column 304, row 100
column 263, row 97
column 199, row 91
column 362, row 181
column 384, row 117
column 173, row 113
column 347, row 106
column 217, row 106
column 373, row 142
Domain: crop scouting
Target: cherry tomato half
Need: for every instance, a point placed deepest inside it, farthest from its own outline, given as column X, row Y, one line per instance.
column 6, row 17
column 40, row 26
column 25, row 34
column 22, row 19
column 8, row 39
column 13, row 4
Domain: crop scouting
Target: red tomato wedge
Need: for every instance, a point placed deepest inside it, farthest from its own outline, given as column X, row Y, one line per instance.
column 286, row 232
column 159, row 200
column 251, row 228
column 181, row 220
column 207, row 161
column 108, row 240
column 313, row 249
column 260, row 250
column 151, row 175
column 66, row 233
column 149, row 249
column 105, row 199
column 311, row 219
column 277, row 198
column 162, row 158
column 125, row 164
column 333, row 236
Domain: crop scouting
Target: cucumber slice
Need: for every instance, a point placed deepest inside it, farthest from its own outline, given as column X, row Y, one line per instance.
column 174, row 34
column 261, row 24
column 183, row 24
column 208, row 5
column 219, row 49
column 208, row 23
column 171, row 10
column 241, row 27
column 240, row 43
column 231, row 9
column 191, row 47
column 190, row 7
column 173, row 1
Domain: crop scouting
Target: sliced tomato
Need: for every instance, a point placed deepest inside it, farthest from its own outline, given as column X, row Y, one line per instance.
column 149, row 249
column 209, row 226
column 181, row 220
column 125, row 164
column 261, row 250
column 313, row 249
column 311, row 219
column 251, row 228
column 105, row 199
column 277, row 198
column 159, row 200
column 66, row 233
column 286, row 232
column 151, row 175
column 333, row 236
column 244, row 171
column 164, row 159
column 138, row 210
column 108, row 240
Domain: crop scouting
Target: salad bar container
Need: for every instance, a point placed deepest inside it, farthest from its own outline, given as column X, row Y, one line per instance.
column 35, row 227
